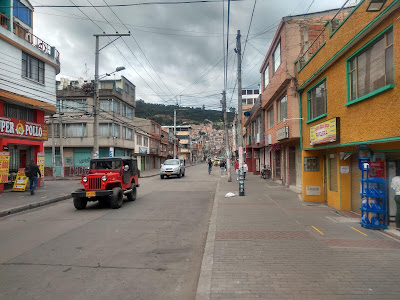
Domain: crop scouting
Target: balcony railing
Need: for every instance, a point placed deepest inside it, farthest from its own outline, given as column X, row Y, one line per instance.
column 35, row 41
column 4, row 21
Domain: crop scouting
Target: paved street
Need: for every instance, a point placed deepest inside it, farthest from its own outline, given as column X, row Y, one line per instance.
column 149, row 249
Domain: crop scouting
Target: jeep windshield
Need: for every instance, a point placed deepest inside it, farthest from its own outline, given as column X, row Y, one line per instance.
column 106, row 165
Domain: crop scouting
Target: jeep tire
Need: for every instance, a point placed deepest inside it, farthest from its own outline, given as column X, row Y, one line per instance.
column 116, row 198
column 180, row 174
column 162, row 176
column 79, row 202
column 132, row 195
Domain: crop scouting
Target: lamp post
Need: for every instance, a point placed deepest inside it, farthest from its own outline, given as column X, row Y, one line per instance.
column 96, row 80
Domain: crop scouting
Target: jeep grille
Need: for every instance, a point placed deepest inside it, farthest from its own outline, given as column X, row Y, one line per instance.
column 94, row 183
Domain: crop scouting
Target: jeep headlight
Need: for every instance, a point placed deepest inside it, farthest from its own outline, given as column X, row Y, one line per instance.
column 84, row 179
column 104, row 178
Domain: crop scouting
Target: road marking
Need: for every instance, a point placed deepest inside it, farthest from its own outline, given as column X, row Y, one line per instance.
column 318, row 230
column 358, row 231
column 44, row 197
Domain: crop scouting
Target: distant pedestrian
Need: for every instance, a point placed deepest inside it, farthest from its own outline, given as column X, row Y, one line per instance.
column 31, row 171
column 209, row 166
column 222, row 167
column 245, row 169
column 237, row 169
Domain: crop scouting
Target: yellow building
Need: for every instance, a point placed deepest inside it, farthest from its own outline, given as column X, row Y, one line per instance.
column 349, row 98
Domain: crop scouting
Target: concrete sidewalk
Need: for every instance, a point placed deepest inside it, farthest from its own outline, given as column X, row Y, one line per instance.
column 271, row 245
column 53, row 191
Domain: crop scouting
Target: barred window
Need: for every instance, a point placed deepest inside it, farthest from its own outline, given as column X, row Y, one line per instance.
column 32, row 68
column 18, row 112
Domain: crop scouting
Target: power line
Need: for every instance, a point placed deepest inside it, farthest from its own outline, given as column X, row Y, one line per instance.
column 248, row 31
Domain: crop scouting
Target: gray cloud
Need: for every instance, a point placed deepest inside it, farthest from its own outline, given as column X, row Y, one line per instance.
column 182, row 42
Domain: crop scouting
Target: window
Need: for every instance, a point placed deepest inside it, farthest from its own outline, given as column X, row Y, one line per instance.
column 110, row 105
column 127, row 133
column 22, row 12
column 145, row 141
column 243, row 92
column 126, row 88
column 18, row 112
column 153, row 128
column 317, row 100
column 270, row 117
column 139, row 139
column 71, row 105
column 127, row 112
column 116, row 130
column 276, row 57
column 75, row 130
column 282, row 109
column 250, row 92
column 104, row 129
column 158, row 130
column 333, row 178
column 133, row 92
column 373, row 68
column 250, row 101
column 151, row 143
column 311, row 164
column 256, row 92
column 32, row 68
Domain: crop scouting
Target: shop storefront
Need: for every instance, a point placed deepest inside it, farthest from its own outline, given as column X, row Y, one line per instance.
column 20, row 143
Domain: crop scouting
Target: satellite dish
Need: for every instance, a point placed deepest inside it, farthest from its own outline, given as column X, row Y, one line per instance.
column 247, row 114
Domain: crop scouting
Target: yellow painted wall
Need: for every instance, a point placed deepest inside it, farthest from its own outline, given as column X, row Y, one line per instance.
column 313, row 178
column 373, row 118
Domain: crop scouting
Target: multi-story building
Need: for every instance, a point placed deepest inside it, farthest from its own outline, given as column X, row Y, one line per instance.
column 75, row 107
column 349, row 102
column 184, row 136
column 279, row 99
column 28, row 66
column 153, row 156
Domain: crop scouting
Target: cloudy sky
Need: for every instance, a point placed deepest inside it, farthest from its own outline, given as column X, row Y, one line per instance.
column 175, row 52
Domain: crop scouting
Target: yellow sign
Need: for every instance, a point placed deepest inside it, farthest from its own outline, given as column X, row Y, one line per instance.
column 21, row 181
column 4, row 166
column 326, row 132
column 40, row 162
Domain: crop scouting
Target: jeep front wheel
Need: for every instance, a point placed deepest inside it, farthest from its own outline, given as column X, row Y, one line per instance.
column 117, row 198
column 132, row 195
column 80, row 203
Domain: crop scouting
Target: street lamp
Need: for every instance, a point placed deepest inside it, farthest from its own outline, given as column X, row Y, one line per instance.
column 375, row 5
column 109, row 74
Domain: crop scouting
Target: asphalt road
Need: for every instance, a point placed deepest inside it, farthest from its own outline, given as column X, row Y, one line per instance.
column 148, row 249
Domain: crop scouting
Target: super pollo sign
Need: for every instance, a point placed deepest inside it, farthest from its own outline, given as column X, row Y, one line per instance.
column 22, row 129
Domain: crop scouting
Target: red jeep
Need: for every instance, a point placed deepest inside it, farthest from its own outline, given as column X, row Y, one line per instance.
column 109, row 179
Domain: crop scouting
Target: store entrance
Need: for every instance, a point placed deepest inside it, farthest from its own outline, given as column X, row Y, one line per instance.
column 393, row 169
column 20, row 157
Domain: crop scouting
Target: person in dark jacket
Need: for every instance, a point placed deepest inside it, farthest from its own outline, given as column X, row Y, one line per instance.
column 222, row 167
column 33, row 170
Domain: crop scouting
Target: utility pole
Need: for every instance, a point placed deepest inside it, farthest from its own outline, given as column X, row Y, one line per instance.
column 240, row 124
column 174, row 133
column 227, row 147
column 96, row 93
column 61, row 146
column 53, row 148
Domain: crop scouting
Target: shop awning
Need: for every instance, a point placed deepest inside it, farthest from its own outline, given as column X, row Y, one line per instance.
column 29, row 102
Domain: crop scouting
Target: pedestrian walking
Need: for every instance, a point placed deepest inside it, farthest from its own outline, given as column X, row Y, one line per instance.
column 245, row 169
column 222, row 167
column 209, row 166
column 396, row 186
column 237, row 169
column 31, row 171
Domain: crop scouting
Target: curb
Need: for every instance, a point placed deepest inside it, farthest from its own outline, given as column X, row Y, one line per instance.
column 204, row 284
column 18, row 209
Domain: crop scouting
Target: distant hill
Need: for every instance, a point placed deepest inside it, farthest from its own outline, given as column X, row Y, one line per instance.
column 164, row 114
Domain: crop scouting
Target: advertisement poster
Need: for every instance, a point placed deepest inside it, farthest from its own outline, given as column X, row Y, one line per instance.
column 40, row 162
column 21, row 181
column 4, row 166
column 326, row 132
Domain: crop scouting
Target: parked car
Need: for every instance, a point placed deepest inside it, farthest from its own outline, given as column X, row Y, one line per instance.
column 172, row 167
column 109, row 179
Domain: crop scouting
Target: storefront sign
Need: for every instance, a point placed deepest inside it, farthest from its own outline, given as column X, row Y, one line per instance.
column 143, row 150
column 23, row 129
column 313, row 190
column 344, row 169
column 326, row 132
column 282, row 133
column 40, row 162
column 4, row 166
column 21, row 181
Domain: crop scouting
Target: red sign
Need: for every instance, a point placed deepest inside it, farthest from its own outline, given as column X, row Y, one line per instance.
column 23, row 129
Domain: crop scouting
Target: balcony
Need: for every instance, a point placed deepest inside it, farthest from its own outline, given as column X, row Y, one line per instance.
column 34, row 40
column 4, row 21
